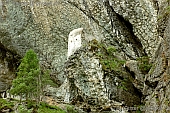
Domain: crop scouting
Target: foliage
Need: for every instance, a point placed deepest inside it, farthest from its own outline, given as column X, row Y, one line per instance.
column 70, row 109
column 31, row 104
column 45, row 108
column 40, row 108
column 46, row 79
column 31, row 80
column 32, row 107
column 27, row 75
column 168, row 8
column 4, row 104
column 152, row 68
column 107, row 56
column 123, row 85
column 164, row 14
column 23, row 109
column 111, row 50
column 144, row 64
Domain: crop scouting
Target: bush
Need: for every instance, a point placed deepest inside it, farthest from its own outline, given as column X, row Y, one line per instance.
column 70, row 109
column 22, row 109
column 107, row 56
column 144, row 64
column 4, row 104
column 46, row 108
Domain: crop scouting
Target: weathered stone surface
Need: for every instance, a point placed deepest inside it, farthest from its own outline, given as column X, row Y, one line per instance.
column 157, row 82
column 8, row 64
column 134, row 27
column 143, row 17
column 87, row 83
column 45, row 28
column 137, row 76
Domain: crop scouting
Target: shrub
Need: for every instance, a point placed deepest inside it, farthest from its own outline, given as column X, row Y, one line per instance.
column 4, row 104
column 107, row 56
column 46, row 108
column 144, row 64
column 70, row 109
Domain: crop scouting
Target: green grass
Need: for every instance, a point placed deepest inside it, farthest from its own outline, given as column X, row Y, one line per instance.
column 4, row 104
column 107, row 56
column 109, row 60
column 41, row 108
column 30, row 106
column 45, row 108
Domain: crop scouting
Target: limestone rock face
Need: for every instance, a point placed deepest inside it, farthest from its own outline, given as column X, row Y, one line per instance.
column 138, row 76
column 45, row 25
column 8, row 63
column 88, row 84
column 143, row 16
column 136, row 28
column 157, row 81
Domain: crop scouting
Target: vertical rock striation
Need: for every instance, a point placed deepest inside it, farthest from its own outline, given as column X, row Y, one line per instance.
column 136, row 28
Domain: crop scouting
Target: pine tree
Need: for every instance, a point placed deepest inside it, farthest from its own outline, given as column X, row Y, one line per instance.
column 31, row 80
column 26, row 82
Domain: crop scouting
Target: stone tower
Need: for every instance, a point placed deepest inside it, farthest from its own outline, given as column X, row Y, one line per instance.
column 74, row 41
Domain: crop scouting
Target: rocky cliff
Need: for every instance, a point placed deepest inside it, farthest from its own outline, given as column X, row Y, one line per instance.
column 126, row 63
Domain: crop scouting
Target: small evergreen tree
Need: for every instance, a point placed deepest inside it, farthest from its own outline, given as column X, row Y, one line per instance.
column 30, row 80
column 26, row 83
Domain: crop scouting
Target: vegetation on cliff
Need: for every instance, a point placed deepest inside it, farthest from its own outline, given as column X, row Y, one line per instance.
column 144, row 64
column 29, row 84
column 31, row 80
column 32, row 107
column 107, row 56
